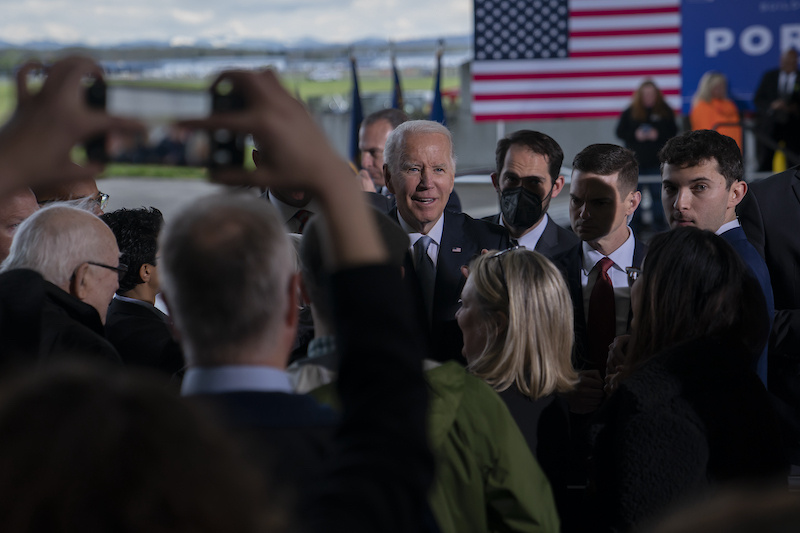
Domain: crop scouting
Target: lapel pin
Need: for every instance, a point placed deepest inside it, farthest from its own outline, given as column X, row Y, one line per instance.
column 456, row 250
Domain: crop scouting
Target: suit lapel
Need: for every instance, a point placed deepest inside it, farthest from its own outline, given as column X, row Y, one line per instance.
column 453, row 254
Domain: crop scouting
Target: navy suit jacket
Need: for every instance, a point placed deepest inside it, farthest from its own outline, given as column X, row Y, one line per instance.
column 462, row 239
column 770, row 216
column 758, row 268
column 570, row 264
column 554, row 241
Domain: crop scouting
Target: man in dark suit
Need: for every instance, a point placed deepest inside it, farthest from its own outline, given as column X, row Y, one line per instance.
column 229, row 279
column 526, row 180
column 770, row 216
column 138, row 330
column 777, row 100
column 702, row 183
column 603, row 197
column 420, row 172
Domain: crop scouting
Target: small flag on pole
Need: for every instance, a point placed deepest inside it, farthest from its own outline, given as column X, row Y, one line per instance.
column 356, row 114
column 437, row 109
column 397, row 94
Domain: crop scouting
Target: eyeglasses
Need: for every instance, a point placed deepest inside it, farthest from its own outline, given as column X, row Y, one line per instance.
column 498, row 256
column 121, row 270
column 633, row 274
column 101, row 199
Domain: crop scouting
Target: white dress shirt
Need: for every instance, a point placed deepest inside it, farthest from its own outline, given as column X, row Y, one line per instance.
column 435, row 234
column 287, row 212
column 235, row 378
column 622, row 258
column 530, row 239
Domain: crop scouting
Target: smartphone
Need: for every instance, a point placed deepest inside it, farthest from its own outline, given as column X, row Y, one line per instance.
column 163, row 142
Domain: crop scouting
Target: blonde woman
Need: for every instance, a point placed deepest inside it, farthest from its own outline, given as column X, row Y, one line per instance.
column 711, row 106
column 516, row 317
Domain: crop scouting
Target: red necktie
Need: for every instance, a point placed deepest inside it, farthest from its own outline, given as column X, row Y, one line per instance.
column 302, row 217
column 602, row 324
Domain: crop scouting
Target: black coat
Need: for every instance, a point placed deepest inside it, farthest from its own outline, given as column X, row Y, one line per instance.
column 692, row 417
column 39, row 321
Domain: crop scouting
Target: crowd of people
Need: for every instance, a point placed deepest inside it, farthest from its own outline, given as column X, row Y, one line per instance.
column 352, row 353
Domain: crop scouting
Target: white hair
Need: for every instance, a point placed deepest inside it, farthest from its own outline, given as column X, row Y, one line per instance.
column 54, row 241
column 393, row 151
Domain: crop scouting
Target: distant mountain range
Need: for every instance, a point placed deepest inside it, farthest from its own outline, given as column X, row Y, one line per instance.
column 245, row 44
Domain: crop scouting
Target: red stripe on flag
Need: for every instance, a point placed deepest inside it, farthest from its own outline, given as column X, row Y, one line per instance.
column 548, row 116
column 612, row 53
column 562, row 94
column 618, row 12
column 574, row 74
column 621, row 33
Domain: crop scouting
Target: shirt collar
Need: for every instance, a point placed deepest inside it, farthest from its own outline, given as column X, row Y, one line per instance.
column 235, row 378
column 728, row 226
column 622, row 256
column 287, row 211
column 435, row 233
column 530, row 239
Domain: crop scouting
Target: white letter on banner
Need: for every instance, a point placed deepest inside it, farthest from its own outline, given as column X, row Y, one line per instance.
column 755, row 40
column 718, row 40
column 790, row 37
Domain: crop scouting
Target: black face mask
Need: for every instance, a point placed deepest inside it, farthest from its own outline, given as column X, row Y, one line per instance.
column 522, row 208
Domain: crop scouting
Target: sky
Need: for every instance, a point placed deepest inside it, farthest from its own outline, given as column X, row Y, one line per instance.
column 101, row 22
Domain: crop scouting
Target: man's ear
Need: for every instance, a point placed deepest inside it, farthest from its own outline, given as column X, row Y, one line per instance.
column 737, row 193
column 387, row 177
column 144, row 272
column 634, row 200
column 79, row 283
column 292, row 312
column 496, row 182
column 558, row 186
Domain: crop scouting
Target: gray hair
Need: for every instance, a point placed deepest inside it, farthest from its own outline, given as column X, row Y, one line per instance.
column 393, row 151
column 227, row 263
column 54, row 241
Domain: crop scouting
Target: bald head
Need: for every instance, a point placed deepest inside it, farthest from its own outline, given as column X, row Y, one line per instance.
column 72, row 249
column 14, row 209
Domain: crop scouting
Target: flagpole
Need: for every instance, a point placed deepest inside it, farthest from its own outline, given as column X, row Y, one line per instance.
column 501, row 129
column 437, row 108
column 356, row 113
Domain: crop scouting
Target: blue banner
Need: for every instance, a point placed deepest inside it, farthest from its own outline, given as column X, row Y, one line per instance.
column 739, row 38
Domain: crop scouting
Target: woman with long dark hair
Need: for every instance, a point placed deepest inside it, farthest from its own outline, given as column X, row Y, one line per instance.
column 690, row 413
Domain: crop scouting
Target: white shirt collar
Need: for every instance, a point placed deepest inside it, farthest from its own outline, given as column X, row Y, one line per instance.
column 728, row 226
column 235, row 378
column 435, row 233
column 622, row 256
column 530, row 239
column 287, row 211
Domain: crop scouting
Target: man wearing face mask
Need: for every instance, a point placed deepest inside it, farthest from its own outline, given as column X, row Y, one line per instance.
column 527, row 178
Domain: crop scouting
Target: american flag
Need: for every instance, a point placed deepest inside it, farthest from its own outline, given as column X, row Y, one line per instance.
column 552, row 59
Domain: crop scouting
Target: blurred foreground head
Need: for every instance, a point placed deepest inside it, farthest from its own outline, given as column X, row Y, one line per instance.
column 93, row 450
column 228, row 275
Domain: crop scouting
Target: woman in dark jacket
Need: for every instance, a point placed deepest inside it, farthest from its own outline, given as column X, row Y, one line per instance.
column 645, row 127
column 689, row 414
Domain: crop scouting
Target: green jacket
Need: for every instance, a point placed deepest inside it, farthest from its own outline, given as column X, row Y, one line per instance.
column 486, row 477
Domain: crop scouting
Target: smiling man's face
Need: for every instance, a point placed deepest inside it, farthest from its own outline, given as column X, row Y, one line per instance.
column 424, row 181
